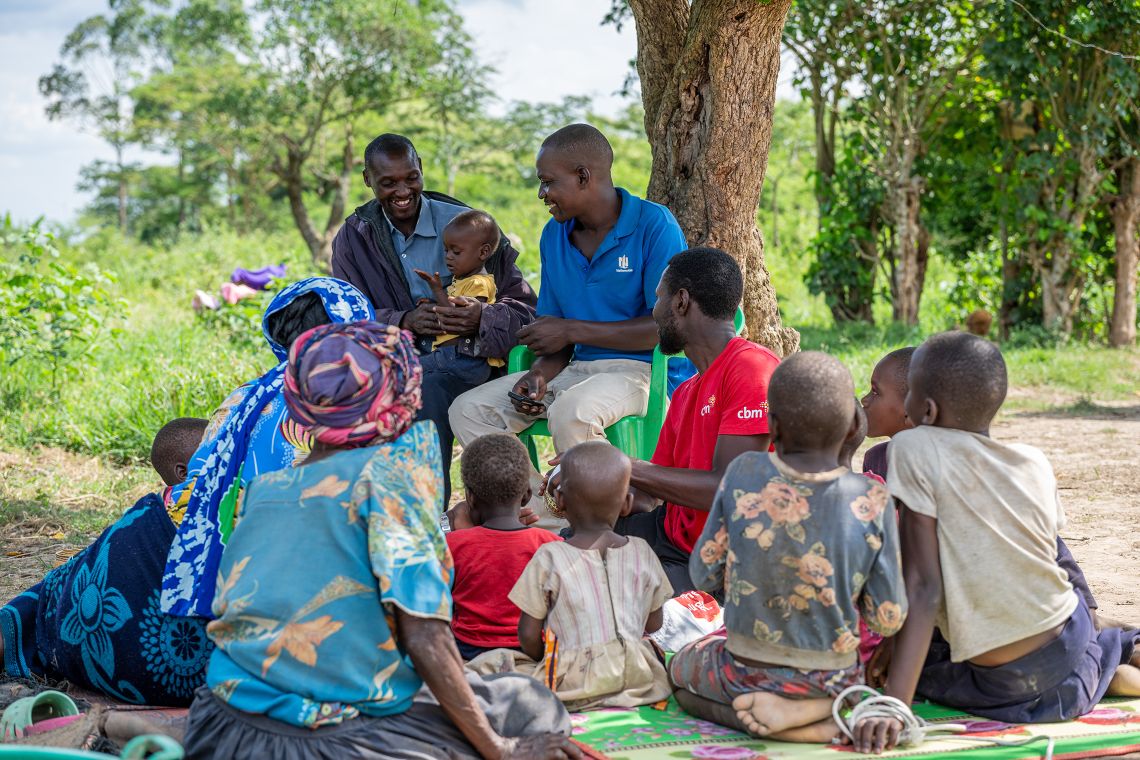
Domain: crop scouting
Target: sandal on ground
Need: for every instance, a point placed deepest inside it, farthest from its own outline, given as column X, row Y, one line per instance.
column 23, row 713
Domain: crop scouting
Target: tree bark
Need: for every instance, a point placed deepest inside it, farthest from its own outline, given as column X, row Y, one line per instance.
column 1067, row 199
column 1125, row 221
column 905, row 205
column 122, row 172
column 708, row 80
column 292, row 178
column 339, row 201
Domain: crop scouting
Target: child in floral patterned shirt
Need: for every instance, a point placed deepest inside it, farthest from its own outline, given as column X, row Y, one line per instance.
column 801, row 547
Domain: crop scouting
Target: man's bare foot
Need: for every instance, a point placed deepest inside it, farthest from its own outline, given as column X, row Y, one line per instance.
column 763, row 713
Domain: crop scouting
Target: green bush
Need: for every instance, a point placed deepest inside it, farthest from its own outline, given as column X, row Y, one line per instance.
column 53, row 313
column 240, row 323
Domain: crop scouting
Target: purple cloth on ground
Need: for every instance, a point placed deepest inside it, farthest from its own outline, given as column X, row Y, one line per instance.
column 1060, row 681
column 258, row 279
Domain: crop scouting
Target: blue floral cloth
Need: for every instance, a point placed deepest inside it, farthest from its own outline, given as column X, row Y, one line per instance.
column 308, row 582
column 96, row 619
column 246, row 442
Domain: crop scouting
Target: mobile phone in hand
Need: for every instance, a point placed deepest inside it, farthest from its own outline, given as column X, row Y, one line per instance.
column 526, row 400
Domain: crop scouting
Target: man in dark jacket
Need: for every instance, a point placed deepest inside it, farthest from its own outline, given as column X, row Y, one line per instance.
column 386, row 239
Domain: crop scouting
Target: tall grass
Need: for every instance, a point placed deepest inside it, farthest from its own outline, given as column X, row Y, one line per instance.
column 167, row 363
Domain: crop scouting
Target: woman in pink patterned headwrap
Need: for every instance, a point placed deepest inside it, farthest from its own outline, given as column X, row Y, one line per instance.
column 334, row 605
column 352, row 385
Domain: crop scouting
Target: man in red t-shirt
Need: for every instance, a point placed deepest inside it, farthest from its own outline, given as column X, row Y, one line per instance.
column 716, row 415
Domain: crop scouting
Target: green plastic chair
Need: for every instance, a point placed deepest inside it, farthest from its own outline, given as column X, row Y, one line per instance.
column 636, row 436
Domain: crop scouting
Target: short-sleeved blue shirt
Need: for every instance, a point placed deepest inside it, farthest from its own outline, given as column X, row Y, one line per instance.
column 423, row 249
column 619, row 283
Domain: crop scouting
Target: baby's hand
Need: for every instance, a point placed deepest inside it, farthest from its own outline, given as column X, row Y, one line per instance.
column 431, row 279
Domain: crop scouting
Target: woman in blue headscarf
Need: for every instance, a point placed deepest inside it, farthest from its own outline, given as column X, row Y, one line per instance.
column 104, row 619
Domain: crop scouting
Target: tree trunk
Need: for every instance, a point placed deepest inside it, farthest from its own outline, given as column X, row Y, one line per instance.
column 1060, row 290
column 824, row 144
column 1125, row 220
column 291, row 175
column 1068, row 198
column 292, row 178
column 708, row 79
column 339, row 201
column 910, row 264
column 122, row 172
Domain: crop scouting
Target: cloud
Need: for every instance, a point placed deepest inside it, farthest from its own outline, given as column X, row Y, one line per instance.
column 60, row 16
column 547, row 50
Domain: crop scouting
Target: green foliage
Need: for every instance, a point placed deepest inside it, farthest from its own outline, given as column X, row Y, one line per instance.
column 851, row 233
column 240, row 323
column 52, row 313
column 161, row 362
column 978, row 285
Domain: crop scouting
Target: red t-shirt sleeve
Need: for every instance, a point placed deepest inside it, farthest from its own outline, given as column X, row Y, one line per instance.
column 744, row 391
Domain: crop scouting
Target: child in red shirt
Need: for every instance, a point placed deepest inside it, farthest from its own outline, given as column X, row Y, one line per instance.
column 490, row 556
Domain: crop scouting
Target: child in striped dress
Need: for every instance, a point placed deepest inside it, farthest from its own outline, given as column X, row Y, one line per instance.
column 596, row 594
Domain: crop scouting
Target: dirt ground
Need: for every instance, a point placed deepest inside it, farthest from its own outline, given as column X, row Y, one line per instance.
column 1094, row 449
column 1095, row 453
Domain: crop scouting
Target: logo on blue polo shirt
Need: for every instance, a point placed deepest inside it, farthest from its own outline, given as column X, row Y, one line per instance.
column 623, row 264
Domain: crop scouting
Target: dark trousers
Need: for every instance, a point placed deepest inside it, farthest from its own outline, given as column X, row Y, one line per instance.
column 1060, row 681
column 447, row 374
column 471, row 651
column 650, row 527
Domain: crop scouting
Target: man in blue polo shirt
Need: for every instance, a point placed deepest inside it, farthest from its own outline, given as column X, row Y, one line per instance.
column 602, row 256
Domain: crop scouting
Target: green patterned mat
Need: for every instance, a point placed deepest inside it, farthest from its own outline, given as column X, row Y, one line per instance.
column 643, row 733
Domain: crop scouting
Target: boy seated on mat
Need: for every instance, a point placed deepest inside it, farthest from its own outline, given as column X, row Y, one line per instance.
column 975, row 510
column 802, row 547
column 886, row 417
column 495, row 546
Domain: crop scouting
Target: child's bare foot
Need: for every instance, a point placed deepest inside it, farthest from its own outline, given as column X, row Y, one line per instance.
column 763, row 713
column 706, row 709
column 820, row 732
column 1125, row 682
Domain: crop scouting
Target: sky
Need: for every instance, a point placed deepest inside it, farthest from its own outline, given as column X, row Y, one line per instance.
column 526, row 40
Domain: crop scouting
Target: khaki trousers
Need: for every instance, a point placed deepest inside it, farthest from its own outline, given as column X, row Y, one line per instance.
column 581, row 402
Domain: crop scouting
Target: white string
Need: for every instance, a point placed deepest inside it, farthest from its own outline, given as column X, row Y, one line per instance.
column 915, row 730
column 1069, row 39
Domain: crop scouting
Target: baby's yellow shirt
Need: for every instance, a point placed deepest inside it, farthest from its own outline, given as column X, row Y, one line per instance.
column 472, row 286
